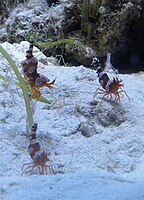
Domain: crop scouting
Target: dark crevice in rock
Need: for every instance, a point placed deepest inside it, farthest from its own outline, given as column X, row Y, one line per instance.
column 130, row 58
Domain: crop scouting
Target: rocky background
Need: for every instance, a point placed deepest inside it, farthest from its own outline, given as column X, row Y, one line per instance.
column 101, row 26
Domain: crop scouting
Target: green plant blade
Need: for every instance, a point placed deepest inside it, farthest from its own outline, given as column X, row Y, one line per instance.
column 63, row 41
column 4, row 79
column 41, row 98
column 22, row 85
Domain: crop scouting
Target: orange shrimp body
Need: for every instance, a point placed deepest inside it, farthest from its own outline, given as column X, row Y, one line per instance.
column 35, row 79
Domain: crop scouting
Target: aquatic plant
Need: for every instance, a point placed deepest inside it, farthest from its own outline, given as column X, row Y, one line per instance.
column 21, row 83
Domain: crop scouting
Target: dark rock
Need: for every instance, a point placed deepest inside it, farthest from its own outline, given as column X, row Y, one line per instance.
column 111, row 116
column 52, row 2
column 3, row 12
column 5, row 8
column 72, row 18
column 107, row 116
column 102, row 26
column 81, row 54
column 88, row 129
